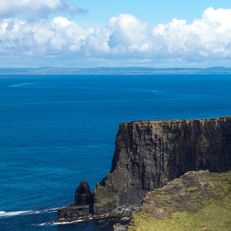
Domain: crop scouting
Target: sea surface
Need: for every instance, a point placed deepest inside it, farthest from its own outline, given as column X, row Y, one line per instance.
column 56, row 131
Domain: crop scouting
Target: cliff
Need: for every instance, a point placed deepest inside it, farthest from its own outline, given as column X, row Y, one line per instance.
column 195, row 201
column 148, row 154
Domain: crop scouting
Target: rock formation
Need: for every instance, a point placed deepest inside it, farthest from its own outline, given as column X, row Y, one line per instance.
column 195, row 201
column 82, row 207
column 148, row 154
column 83, row 195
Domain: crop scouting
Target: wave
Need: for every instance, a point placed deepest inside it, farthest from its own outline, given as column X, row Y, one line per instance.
column 59, row 223
column 20, row 84
column 14, row 213
column 25, row 213
column 135, row 90
column 156, row 92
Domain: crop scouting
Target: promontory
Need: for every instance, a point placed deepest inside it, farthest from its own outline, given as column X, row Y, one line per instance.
column 149, row 154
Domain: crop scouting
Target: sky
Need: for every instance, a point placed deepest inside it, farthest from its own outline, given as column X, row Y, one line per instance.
column 88, row 33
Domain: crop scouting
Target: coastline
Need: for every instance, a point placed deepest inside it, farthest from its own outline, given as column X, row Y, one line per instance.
column 124, row 188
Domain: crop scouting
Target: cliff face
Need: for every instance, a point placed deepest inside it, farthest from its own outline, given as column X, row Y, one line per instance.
column 148, row 154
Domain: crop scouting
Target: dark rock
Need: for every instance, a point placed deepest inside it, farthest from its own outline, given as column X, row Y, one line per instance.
column 82, row 208
column 73, row 212
column 83, row 195
column 148, row 154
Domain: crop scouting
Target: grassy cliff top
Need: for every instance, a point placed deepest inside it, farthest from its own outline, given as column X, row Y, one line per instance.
column 197, row 201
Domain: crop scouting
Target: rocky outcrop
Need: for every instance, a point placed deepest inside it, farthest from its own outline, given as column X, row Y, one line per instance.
column 81, row 209
column 83, row 195
column 148, row 154
column 195, row 201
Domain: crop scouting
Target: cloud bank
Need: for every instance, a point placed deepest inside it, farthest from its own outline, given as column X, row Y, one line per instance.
column 125, row 37
column 36, row 8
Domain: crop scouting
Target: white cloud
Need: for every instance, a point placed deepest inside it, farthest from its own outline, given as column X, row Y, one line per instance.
column 208, row 36
column 61, row 21
column 125, row 37
column 56, row 36
column 35, row 8
column 128, row 32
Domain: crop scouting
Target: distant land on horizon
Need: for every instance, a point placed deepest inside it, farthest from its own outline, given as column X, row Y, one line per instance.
column 112, row 71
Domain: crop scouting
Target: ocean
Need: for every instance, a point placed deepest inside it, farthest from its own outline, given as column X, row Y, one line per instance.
column 56, row 131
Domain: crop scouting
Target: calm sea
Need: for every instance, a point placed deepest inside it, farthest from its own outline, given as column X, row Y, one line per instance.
column 58, row 130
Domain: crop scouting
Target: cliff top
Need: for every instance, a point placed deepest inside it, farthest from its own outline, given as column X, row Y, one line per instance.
column 140, row 122
column 195, row 201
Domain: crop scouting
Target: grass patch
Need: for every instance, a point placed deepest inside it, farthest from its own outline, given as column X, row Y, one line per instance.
column 209, row 196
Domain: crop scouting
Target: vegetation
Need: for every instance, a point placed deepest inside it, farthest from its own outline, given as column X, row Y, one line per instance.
column 198, row 201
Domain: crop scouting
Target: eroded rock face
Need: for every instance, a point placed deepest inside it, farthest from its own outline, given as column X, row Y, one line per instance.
column 148, row 154
column 82, row 208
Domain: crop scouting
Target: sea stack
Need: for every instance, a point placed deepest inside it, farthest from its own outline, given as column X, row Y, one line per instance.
column 83, row 195
column 82, row 208
column 148, row 154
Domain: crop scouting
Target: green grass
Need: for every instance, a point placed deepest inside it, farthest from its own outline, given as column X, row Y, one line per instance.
column 210, row 200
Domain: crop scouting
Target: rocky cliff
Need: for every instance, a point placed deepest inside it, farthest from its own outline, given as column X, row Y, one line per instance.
column 195, row 201
column 148, row 154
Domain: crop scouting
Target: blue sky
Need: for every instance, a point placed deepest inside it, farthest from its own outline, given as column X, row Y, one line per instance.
column 149, row 10
column 86, row 33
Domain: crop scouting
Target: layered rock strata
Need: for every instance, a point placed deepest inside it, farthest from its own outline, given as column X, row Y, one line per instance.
column 148, row 154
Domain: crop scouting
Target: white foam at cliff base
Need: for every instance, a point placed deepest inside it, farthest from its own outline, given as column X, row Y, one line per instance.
column 59, row 223
column 14, row 213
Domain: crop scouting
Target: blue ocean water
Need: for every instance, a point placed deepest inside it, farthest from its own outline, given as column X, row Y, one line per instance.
column 58, row 130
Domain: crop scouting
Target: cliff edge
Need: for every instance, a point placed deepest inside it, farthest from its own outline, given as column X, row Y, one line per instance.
column 148, row 154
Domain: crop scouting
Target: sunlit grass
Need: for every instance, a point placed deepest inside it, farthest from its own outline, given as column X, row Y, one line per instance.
column 213, row 212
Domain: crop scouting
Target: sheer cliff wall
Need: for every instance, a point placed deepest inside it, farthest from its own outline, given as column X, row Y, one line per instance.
column 148, row 154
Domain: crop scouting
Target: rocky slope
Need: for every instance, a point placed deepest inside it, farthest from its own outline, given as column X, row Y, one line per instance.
column 196, row 201
column 148, row 154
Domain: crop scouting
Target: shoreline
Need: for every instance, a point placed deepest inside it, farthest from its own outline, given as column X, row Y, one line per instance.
column 149, row 154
